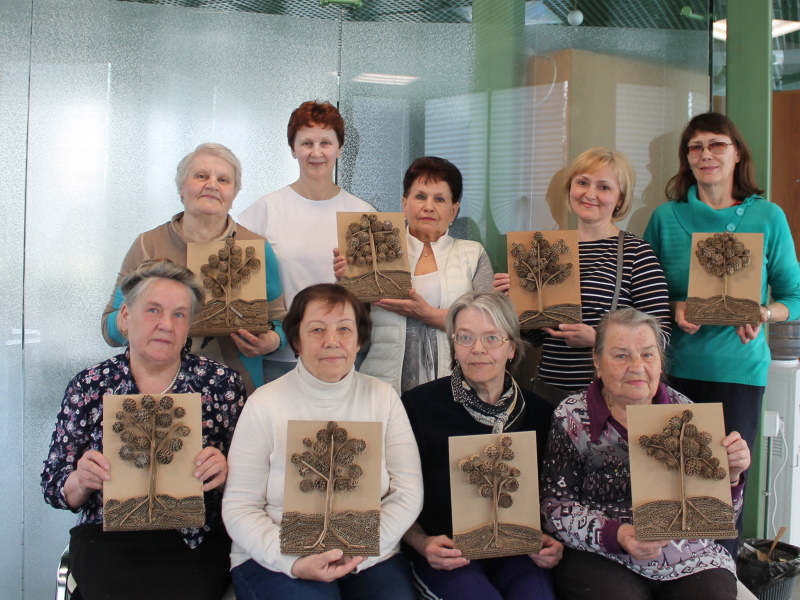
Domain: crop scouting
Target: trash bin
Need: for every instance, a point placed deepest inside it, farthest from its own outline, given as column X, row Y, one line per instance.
column 769, row 580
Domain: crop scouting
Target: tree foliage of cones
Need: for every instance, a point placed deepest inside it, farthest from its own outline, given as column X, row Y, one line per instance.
column 151, row 432
column 496, row 480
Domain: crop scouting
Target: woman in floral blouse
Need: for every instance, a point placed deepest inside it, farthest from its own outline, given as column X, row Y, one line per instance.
column 160, row 298
column 586, row 496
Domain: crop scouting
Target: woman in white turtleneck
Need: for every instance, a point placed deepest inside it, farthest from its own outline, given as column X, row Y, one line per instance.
column 325, row 326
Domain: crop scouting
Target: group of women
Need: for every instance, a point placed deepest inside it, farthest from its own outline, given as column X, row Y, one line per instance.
column 448, row 349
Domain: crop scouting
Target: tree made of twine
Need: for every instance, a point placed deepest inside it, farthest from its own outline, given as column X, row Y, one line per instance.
column 328, row 466
column 681, row 446
column 540, row 267
column 224, row 272
column 151, row 432
column 372, row 241
column 496, row 480
column 722, row 255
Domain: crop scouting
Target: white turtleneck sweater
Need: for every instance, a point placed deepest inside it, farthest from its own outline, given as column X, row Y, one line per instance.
column 253, row 503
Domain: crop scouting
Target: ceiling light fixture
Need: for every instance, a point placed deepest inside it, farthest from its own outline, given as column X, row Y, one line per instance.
column 575, row 17
column 385, row 79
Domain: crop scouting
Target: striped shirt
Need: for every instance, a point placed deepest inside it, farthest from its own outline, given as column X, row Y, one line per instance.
column 643, row 287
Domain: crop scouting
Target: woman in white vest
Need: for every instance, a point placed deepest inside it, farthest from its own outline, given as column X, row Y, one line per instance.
column 408, row 346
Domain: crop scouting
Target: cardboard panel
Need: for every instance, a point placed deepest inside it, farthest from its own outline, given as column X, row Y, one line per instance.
column 376, row 249
column 550, row 298
column 658, row 494
column 482, row 527
column 160, row 495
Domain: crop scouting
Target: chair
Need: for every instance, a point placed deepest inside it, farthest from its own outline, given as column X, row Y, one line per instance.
column 65, row 584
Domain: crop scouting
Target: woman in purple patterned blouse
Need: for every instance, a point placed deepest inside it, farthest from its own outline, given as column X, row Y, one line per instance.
column 160, row 298
column 586, row 495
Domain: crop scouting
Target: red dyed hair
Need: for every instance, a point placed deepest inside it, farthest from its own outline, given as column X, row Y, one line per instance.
column 310, row 113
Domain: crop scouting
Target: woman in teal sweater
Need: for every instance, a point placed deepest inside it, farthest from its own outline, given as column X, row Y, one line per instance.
column 715, row 190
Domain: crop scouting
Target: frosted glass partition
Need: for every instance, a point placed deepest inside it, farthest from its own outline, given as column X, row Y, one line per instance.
column 119, row 93
column 14, row 68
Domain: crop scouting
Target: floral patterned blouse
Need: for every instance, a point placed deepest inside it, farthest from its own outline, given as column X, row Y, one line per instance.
column 79, row 426
column 586, row 494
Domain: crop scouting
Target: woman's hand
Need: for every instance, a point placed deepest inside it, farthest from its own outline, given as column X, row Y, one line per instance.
column 212, row 468
column 551, row 552
column 502, row 283
column 416, row 307
column 339, row 264
column 738, row 456
column 679, row 315
column 575, row 335
column 638, row 549
column 441, row 553
column 328, row 566
column 252, row 345
column 88, row 477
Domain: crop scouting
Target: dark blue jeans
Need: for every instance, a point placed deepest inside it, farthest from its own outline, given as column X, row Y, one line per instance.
column 388, row 580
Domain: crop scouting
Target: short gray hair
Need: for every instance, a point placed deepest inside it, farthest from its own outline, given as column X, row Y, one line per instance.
column 630, row 317
column 136, row 282
column 217, row 150
column 498, row 308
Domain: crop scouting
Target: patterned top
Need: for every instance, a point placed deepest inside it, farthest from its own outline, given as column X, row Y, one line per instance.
column 586, row 493
column 79, row 426
column 643, row 287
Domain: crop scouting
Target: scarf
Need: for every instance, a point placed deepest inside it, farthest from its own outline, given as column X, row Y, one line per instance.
column 498, row 416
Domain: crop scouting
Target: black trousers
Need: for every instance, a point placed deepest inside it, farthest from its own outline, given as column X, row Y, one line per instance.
column 741, row 408
column 588, row 576
column 148, row 565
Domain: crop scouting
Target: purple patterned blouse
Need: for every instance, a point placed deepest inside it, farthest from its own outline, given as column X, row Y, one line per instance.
column 79, row 426
column 586, row 493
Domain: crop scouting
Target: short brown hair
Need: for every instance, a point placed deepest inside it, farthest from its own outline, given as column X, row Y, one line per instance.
column 744, row 173
column 332, row 295
column 433, row 168
column 594, row 159
column 310, row 113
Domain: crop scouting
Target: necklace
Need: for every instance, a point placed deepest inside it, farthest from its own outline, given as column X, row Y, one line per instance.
column 171, row 383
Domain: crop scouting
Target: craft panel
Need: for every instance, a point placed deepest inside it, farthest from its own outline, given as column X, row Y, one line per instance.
column 234, row 277
column 732, row 299
column 376, row 250
column 332, row 493
column 494, row 493
column 691, row 499
column 152, row 442
column 545, row 277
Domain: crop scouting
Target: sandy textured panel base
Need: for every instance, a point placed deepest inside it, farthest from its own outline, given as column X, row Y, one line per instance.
column 722, row 311
column 355, row 533
column 552, row 316
column 214, row 319
column 706, row 517
column 168, row 513
column 371, row 288
column 511, row 540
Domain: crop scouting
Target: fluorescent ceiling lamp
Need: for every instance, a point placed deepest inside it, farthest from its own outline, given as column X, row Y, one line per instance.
column 385, row 79
column 779, row 28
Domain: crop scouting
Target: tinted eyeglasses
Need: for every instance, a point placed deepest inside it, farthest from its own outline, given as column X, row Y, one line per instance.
column 696, row 150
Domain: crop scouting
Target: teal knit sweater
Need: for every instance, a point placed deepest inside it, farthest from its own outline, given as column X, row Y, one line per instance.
column 715, row 353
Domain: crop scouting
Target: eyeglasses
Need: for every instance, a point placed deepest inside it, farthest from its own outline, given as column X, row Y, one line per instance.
column 696, row 150
column 491, row 340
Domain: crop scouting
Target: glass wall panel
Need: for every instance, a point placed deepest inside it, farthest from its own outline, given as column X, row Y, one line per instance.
column 15, row 28
column 119, row 93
